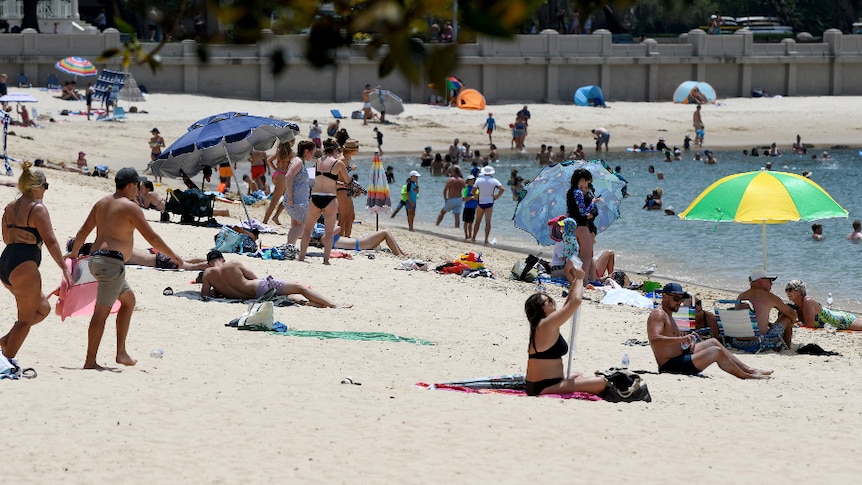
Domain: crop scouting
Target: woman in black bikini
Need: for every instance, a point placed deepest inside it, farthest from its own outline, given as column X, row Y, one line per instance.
column 545, row 366
column 26, row 226
column 328, row 171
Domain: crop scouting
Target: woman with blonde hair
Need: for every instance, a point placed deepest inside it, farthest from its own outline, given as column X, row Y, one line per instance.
column 26, row 227
column 282, row 158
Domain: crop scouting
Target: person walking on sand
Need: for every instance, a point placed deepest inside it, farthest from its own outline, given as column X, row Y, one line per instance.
column 26, row 227
column 233, row 280
column 89, row 98
column 115, row 218
column 108, row 102
column 697, row 122
column 686, row 354
column 156, row 145
column 283, row 155
column 490, row 189
column 366, row 103
column 379, row 135
column 489, row 126
column 412, row 196
column 452, row 196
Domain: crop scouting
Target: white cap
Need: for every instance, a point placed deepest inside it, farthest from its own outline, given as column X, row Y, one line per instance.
column 414, row 173
column 760, row 274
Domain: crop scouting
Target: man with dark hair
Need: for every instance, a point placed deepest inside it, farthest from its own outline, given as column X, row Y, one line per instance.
column 233, row 280
column 115, row 217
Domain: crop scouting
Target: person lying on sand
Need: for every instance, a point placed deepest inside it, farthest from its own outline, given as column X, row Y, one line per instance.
column 812, row 314
column 685, row 354
column 147, row 257
column 368, row 241
column 147, row 197
column 233, row 280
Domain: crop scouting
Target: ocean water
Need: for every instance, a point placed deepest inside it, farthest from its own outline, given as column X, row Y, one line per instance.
column 717, row 255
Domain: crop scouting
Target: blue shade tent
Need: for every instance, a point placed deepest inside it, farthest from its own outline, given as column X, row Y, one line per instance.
column 589, row 96
column 693, row 92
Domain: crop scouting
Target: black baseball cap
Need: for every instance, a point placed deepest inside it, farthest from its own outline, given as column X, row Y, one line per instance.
column 213, row 255
column 126, row 176
column 675, row 288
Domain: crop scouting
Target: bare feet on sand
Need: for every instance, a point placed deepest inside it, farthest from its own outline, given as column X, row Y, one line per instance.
column 125, row 359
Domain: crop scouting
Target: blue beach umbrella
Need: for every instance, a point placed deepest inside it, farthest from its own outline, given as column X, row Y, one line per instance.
column 545, row 197
column 589, row 96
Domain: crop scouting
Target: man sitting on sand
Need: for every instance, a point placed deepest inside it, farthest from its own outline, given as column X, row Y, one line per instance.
column 685, row 354
column 233, row 280
column 763, row 301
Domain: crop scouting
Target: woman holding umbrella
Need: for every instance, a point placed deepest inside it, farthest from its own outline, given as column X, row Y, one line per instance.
column 545, row 367
column 581, row 206
column 297, row 188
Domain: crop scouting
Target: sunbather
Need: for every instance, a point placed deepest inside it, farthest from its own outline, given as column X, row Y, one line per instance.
column 147, row 257
column 812, row 314
column 148, row 199
column 368, row 241
column 685, row 354
column 233, row 280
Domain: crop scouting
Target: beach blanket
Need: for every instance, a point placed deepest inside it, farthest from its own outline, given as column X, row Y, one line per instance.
column 78, row 299
column 349, row 335
column 508, row 392
column 620, row 296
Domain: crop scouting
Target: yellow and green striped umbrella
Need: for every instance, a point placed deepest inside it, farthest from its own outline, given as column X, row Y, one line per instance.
column 763, row 197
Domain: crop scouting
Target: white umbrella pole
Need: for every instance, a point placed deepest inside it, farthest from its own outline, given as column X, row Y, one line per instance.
column 763, row 224
column 573, row 341
column 247, row 216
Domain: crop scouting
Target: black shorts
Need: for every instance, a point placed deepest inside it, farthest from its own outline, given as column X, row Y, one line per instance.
column 468, row 214
column 681, row 364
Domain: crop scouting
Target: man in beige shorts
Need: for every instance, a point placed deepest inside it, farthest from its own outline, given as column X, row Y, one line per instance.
column 115, row 218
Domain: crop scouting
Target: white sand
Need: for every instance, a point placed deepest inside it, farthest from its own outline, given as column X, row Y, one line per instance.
column 228, row 406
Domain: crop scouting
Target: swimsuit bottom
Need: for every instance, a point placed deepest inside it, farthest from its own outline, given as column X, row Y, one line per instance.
column 536, row 388
column 14, row 255
column 337, row 237
column 321, row 201
column 681, row 364
column 486, row 206
column 269, row 283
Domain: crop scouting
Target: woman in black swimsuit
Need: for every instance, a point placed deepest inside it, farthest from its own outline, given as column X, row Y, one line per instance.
column 545, row 366
column 26, row 226
column 327, row 172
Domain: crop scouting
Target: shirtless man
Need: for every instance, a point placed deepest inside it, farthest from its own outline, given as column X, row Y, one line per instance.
column 233, row 280
column 763, row 301
column 543, row 158
column 856, row 235
column 366, row 103
column 685, row 354
column 115, row 218
column 452, row 197
column 258, row 163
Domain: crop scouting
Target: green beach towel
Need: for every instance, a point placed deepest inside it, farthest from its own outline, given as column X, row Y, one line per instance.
column 367, row 336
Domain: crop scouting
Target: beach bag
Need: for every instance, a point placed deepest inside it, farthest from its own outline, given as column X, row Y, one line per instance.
column 258, row 317
column 100, row 171
column 555, row 229
column 624, row 386
column 6, row 367
column 228, row 241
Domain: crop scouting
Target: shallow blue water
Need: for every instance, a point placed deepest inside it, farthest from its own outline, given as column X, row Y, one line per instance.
column 705, row 253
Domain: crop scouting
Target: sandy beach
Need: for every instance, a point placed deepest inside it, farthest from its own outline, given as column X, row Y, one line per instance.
column 225, row 406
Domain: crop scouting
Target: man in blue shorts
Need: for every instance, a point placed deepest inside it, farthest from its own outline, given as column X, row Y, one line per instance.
column 686, row 354
column 452, row 196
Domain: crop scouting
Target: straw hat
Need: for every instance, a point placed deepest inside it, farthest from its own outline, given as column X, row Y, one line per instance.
column 351, row 144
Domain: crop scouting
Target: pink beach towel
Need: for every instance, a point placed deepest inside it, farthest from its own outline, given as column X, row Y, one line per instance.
column 80, row 298
column 510, row 392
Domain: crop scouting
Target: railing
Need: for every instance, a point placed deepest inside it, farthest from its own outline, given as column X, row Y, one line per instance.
column 45, row 9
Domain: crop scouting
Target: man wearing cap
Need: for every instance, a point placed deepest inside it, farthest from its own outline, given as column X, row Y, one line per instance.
column 233, row 280
column 412, row 195
column 156, row 145
column 452, row 196
column 115, row 218
column 490, row 189
column 685, row 354
column 763, row 301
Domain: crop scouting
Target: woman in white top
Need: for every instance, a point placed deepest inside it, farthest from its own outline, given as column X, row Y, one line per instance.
column 490, row 189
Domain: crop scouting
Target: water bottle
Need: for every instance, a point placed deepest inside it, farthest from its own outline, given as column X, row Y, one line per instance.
column 540, row 288
column 829, row 298
column 157, row 354
column 625, row 362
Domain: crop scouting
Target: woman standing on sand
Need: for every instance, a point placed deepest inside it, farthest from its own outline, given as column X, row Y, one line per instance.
column 346, row 212
column 297, row 189
column 581, row 206
column 328, row 172
column 26, row 226
column 282, row 157
column 545, row 367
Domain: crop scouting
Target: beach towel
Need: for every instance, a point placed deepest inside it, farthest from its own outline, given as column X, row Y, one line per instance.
column 278, row 301
column 79, row 299
column 620, row 296
column 349, row 335
column 508, row 392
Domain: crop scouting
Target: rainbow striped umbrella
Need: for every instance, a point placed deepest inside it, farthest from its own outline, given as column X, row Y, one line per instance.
column 763, row 197
column 378, row 190
column 76, row 66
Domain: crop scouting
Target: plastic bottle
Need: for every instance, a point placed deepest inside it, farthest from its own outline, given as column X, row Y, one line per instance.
column 157, row 354
column 540, row 288
column 625, row 362
column 829, row 298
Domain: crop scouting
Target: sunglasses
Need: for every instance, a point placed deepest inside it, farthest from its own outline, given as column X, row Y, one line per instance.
column 677, row 298
column 45, row 185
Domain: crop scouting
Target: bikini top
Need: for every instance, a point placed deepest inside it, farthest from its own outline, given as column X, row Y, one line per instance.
column 556, row 351
column 329, row 174
column 31, row 230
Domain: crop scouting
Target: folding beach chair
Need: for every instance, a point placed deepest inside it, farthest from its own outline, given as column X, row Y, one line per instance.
column 336, row 114
column 192, row 205
column 53, row 82
column 738, row 328
column 684, row 318
column 119, row 113
column 24, row 81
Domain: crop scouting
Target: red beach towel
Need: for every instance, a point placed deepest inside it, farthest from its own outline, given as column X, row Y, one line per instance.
column 78, row 299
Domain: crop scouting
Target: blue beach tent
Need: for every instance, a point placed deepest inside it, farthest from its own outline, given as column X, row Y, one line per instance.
column 589, row 96
column 693, row 92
